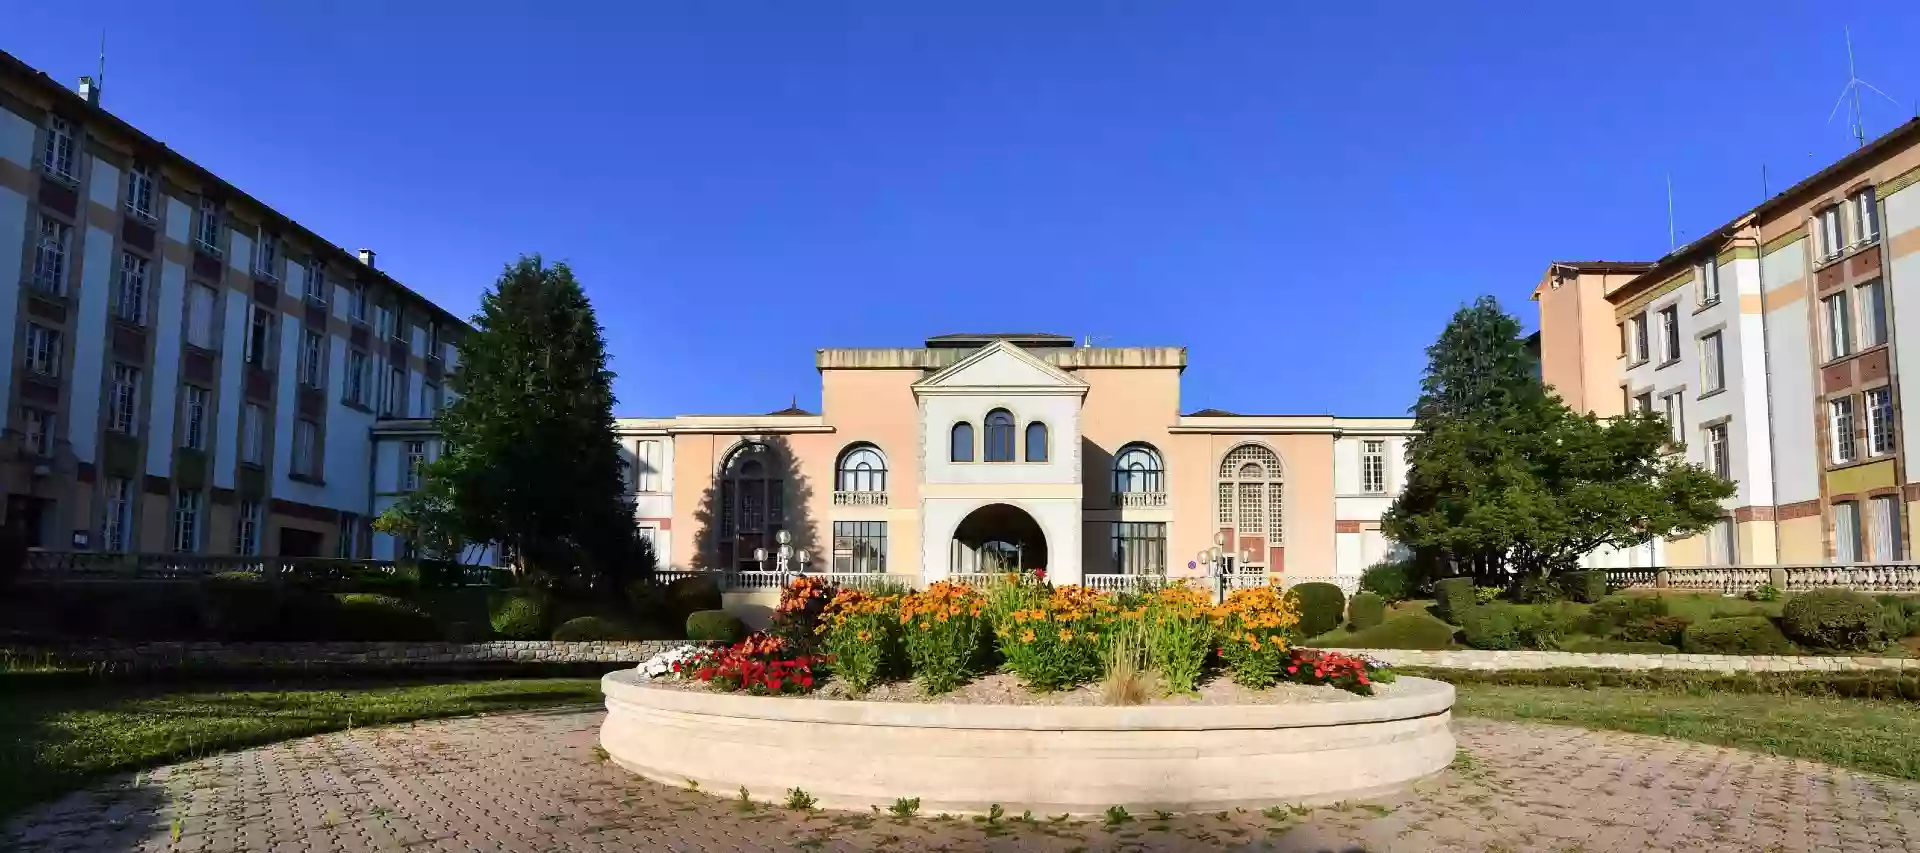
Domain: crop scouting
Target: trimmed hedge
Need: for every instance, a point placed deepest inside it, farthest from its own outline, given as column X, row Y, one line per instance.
column 1392, row 580
column 372, row 616
column 1664, row 630
column 594, row 628
column 1322, row 607
column 1543, row 626
column 1838, row 619
column 688, row 596
column 1366, row 610
column 1585, row 586
column 1406, row 631
column 1736, row 635
column 715, row 626
column 520, row 617
column 1617, row 610
column 1453, row 596
column 1597, row 645
column 1490, row 626
column 1864, row 684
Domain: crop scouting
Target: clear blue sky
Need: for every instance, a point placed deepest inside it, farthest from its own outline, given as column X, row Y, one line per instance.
column 1298, row 193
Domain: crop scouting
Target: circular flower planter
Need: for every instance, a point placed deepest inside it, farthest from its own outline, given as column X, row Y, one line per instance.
column 1050, row 759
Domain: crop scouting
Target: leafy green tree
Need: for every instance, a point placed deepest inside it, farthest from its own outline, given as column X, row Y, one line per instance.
column 530, row 461
column 429, row 519
column 1506, row 481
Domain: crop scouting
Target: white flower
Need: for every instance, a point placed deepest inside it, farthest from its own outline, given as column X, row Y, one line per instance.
column 662, row 663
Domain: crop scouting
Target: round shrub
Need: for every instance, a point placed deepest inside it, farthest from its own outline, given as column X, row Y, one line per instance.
column 1736, row 635
column 593, row 628
column 715, row 626
column 1322, row 607
column 1664, row 630
column 1838, row 619
column 241, row 607
column 1615, row 611
column 371, row 616
column 1544, row 626
column 692, row 595
column 1452, row 596
column 1490, row 626
column 1406, row 631
column 1392, row 580
column 1368, row 609
column 1585, row 586
column 1596, row 645
column 520, row 617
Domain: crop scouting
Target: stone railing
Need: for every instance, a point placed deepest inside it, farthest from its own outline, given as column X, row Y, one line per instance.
column 859, row 498
column 1140, row 500
column 1883, row 577
column 1631, row 578
column 60, row 566
column 1726, row 580
column 1123, row 583
column 758, row 581
column 1735, row 580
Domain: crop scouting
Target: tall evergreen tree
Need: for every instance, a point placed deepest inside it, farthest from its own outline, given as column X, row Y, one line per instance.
column 1480, row 365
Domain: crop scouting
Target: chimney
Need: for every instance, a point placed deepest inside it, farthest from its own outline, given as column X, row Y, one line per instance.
column 366, row 257
column 89, row 90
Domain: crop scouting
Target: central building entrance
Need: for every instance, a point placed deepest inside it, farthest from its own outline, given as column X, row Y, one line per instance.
column 998, row 538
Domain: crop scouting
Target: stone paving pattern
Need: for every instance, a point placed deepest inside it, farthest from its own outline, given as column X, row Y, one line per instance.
column 536, row 782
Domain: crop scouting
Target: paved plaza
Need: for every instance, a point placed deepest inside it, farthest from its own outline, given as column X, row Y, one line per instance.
column 536, row 782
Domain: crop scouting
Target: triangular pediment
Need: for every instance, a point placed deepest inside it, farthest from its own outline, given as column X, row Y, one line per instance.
column 1001, row 365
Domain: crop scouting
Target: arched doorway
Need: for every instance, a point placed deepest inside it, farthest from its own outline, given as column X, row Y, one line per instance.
column 998, row 538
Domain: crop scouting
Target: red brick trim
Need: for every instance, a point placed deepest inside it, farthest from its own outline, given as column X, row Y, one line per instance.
column 1803, row 509
column 1742, row 515
column 1346, row 527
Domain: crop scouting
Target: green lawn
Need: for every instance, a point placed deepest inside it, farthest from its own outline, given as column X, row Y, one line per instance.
column 54, row 738
column 1882, row 736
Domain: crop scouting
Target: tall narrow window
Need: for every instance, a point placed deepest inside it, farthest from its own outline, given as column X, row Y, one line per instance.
column 999, row 443
column 1713, row 363
column 1140, row 548
column 359, row 373
column 1873, row 313
column 203, row 304
column 416, row 461
column 186, row 521
column 306, row 448
column 396, row 392
column 1036, row 442
column 429, row 399
column 1670, row 334
column 1837, row 314
column 123, row 409
column 316, row 283
column 1673, row 406
column 1827, row 225
column 647, row 466
column 130, row 299
column 1720, row 545
column 1709, row 284
column 1719, row 455
column 37, row 424
column 260, row 337
column 313, row 359
column 194, row 416
column 348, row 545
column 1879, row 420
column 43, row 350
column 860, row 547
column 1846, row 532
column 140, row 192
column 357, row 303
column 1866, row 215
column 1373, row 467
column 383, row 324
column 1639, row 323
column 57, row 157
column 1643, row 402
column 208, row 234
column 116, row 526
column 960, row 447
column 1840, row 425
column 752, row 506
column 1886, row 528
column 266, row 258
column 861, row 469
column 246, row 529
column 253, row 435
column 1252, row 497
column 50, row 256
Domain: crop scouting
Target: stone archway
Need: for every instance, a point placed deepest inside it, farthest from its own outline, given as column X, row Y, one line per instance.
column 998, row 538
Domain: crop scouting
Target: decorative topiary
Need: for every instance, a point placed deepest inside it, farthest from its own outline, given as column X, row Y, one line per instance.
column 1664, row 630
column 1453, row 595
column 593, row 628
column 1615, row 611
column 1585, row 586
column 1406, row 631
column 520, row 617
column 1322, row 607
column 1490, row 626
column 1736, row 635
column 715, row 626
column 1392, row 580
column 1366, row 610
column 1837, row 619
column 371, row 616
column 1596, row 645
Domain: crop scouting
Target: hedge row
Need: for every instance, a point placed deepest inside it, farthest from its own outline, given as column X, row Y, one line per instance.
column 1864, row 684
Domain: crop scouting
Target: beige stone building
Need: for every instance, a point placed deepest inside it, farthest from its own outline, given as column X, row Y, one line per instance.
column 982, row 453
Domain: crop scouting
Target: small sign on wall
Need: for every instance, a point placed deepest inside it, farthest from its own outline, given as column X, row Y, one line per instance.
column 83, row 539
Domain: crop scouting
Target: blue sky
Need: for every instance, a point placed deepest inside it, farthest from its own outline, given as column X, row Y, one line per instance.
column 1299, row 195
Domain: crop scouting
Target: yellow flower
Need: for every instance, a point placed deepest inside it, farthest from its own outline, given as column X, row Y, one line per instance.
column 1066, row 635
column 1026, row 636
column 864, row 636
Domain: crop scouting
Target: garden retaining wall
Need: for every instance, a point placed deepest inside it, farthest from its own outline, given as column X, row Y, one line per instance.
column 292, row 655
column 1526, row 659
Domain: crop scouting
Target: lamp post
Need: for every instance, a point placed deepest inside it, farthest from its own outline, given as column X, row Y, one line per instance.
column 785, row 551
column 1219, row 565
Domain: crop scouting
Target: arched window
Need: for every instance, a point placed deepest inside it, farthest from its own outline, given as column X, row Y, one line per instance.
column 752, row 505
column 1036, row 442
column 1137, row 471
column 962, row 444
column 1251, row 496
column 861, row 469
column 999, row 436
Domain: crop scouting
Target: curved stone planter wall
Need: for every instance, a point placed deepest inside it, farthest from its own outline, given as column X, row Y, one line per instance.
column 964, row 758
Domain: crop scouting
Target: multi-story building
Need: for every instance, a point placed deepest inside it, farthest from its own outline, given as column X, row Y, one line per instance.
column 192, row 370
column 980, row 453
column 1772, row 346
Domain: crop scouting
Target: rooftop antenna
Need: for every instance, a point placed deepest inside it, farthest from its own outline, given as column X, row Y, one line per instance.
column 1673, row 241
column 1850, row 97
column 102, row 76
column 1086, row 341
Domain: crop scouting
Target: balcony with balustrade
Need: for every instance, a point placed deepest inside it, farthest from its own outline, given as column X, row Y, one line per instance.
column 1140, row 500
column 859, row 498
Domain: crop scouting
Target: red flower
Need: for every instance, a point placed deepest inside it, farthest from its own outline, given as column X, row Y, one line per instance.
column 1293, row 669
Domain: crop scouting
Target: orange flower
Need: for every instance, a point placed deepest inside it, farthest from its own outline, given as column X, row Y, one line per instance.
column 1026, row 636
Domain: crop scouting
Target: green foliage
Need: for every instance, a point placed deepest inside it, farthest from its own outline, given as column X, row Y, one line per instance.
column 1180, row 637
column 1453, row 595
column 1864, row 684
column 1615, row 611
column 586, row 628
column 1486, row 594
column 519, row 616
column 371, row 616
column 1837, row 619
column 429, row 518
column 1596, row 645
column 715, row 626
column 1585, row 586
column 1736, row 635
column 1764, row 592
column 1322, row 607
column 1663, row 630
column 242, row 607
column 1902, row 615
column 863, row 638
column 691, row 595
column 1407, row 631
column 1490, row 626
column 1366, row 610
column 1544, row 626
column 1393, row 580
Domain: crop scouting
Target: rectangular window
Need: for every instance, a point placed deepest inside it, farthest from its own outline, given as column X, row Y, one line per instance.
column 1373, row 467
column 647, row 464
column 1840, row 426
column 396, row 391
column 1639, row 324
column 203, row 305
column 416, row 460
column 50, row 256
column 38, row 426
column 1140, row 548
column 357, row 302
column 429, row 399
column 1710, row 282
column 1721, row 548
column 193, row 415
column 1713, row 364
column 1674, row 408
column 1827, row 226
column 313, row 359
column 186, row 521
column 1886, row 528
column 140, row 192
column 43, row 350
column 306, row 448
column 123, row 404
column 246, row 529
column 1719, row 455
column 1866, row 216
column 316, row 283
column 116, row 528
column 266, row 257
column 57, row 157
column 130, row 299
column 1670, row 334
column 1880, row 427
column 260, row 337
column 1873, row 313
column 253, row 434
column 1837, row 315
column 348, row 547
column 383, row 321
column 860, row 547
column 1846, row 532
column 359, row 373
column 1643, row 402
column 208, row 235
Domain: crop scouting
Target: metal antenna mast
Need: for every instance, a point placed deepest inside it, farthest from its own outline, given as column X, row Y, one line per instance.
column 1850, row 95
column 1673, row 241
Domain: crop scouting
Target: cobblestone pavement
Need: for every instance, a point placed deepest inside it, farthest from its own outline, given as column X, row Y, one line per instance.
column 535, row 782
